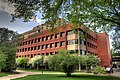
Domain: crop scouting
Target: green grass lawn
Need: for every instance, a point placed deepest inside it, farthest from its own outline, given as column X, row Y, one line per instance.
column 64, row 77
column 3, row 74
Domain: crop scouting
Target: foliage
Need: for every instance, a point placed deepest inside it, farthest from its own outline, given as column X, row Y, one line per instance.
column 90, row 61
column 63, row 61
column 116, row 54
column 10, row 51
column 8, row 48
column 7, row 35
column 35, row 61
column 2, row 60
column 22, row 61
column 101, row 15
column 99, row 69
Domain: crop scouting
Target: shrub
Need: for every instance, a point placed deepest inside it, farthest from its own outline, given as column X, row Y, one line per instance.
column 99, row 69
column 63, row 61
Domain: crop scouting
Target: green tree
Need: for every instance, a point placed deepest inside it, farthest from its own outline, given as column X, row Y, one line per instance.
column 10, row 51
column 8, row 48
column 22, row 62
column 2, row 60
column 36, row 61
column 64, row 61
column 90, row 61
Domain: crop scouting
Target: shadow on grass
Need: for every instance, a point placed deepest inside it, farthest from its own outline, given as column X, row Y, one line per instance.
column 96, row 77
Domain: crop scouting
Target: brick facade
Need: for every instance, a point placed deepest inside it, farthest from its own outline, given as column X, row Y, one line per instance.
column 43, row 42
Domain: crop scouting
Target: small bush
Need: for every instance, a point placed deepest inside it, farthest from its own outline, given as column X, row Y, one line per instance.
column 99, row 69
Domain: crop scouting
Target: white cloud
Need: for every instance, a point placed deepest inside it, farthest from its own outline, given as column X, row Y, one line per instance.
column 6, row 6
column 39, row 21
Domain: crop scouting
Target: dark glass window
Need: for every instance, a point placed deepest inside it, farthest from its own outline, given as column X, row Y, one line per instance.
column 38, row 47
column 62, row 34
column 35, row 47
column 47, row 37
column 47, row 46
column 57, row 35
column 62, row 43
column 43, row 38
column 38, row 39
column 51, row 45
column 52, row 36
column 31, row 48
column 70, row 42
column 35, row 40
column 56, row 44
column 43, row 46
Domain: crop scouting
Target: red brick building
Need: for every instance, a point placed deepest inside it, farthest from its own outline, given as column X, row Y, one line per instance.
column 40, row 41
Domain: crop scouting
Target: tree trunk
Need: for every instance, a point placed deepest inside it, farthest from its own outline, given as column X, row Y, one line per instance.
column 0, row 69
column 68, row 74
column 79, row 48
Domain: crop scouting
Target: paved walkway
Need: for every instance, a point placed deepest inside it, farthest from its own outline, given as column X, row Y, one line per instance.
column 24, row 73
column 116, row 72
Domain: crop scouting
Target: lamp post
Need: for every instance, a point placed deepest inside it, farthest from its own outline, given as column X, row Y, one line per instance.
column 42, row 64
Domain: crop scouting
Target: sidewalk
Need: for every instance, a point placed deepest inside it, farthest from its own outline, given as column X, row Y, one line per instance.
column 23, row 74
column 116, row 73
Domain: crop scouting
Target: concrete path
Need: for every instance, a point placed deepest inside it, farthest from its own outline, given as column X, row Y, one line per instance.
column 116, row 72
column 24, row 73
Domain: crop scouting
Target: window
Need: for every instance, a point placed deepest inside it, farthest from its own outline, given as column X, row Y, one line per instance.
column 32, row 41
column 28, row 48
column 47, row 46
column 56, row 44
column 39, row 31
column 29, row 42
column 52, row 36
column 38, row 47
column 31, row 48
column 51, row 45
column 43, row 46
column 57, row 35
column 25, row 49
column 26, row 43
column 70, row 42
column 62, row 43
column 43, row 38
column 70, row 32
column 35, row 47
column 38, row 39
column 82, row 52
column 82, row 42
column 62, row 34
column 35, row 41
column 47, row 37
column 51, row 53
column 20, row 50
column 47, row 54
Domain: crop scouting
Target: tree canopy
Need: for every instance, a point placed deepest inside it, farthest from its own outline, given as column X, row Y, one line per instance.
column 100, row 15
column 7, row 49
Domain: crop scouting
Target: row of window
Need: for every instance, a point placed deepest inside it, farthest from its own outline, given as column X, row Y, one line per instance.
column 45, row 38
column 91, row 45
column 75, row 41
column 82, row 33
column 91, row 37
column 45, row 46
column 32, row 55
